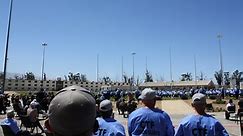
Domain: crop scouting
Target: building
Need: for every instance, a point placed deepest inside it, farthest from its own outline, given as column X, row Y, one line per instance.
column 55, row 85
column 178, row 85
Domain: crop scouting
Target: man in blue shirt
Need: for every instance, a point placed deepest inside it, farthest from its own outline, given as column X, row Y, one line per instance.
column 147, row 120
column 200, row 124
column 108, row 126
column 9, row 121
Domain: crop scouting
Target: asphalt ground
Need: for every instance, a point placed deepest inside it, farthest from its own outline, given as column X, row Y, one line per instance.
column 177, row 109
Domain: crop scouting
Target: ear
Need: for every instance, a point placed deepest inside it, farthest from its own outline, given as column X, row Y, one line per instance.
column 48, row 126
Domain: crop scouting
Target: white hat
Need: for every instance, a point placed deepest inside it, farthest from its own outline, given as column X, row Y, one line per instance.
column 199, row 98
column 148, row 94
column 105, row 105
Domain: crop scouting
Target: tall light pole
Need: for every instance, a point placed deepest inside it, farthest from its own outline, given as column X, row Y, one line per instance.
column 97, row 70
column 43, row 61
column 133, row 54
column 221, row 59
column 122, row 69
column 6, row 46
column 195, row 68
column 171, row 79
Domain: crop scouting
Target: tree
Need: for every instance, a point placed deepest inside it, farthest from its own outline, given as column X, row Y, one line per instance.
column 44, row 77
column 186, row 77
column 218, row 76
column 125, row 78
column 29, row 76
column 106, row 79
column 226, row 78
column 202, row 76
column 237, row 76
column 83, row 78
column 1, row 75
column 148, row 77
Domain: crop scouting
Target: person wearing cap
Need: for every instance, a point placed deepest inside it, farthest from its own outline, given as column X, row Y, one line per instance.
column 72, row 112
column 108, row 126
column 12, row 123
column 33, row 114
column 148, row 120
column 200, row 124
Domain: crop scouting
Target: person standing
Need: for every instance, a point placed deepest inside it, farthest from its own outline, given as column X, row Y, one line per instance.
column 148, row 120
column 200, row 124
column 108, row 126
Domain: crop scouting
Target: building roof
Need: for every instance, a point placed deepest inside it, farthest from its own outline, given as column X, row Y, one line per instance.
column 179, row 83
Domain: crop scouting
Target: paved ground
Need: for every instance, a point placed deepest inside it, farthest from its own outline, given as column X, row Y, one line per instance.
column 177, row 109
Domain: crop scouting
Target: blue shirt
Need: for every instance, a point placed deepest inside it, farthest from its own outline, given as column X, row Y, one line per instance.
column 200, row 125
column 149, row 122
column 110, row 127
column 12, row 124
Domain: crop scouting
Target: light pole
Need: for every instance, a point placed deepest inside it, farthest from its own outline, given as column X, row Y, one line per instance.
column 221, row 60
column 171, row 79
column 97, row 68
column 6, row 46
column 43, row 61
column 133, row 54
column 195, row 68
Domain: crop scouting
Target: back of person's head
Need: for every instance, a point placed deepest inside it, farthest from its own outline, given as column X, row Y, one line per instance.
column 199, row 102
column 72, row 112
column 10, row 114
column 148, row 97
column 105, row 108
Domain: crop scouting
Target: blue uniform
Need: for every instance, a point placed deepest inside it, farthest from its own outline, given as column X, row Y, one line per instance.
column 200, row 125
column 149, row 122
column 110, row 127
column 12, row 124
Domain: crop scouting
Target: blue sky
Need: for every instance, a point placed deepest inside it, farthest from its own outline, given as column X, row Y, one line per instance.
column 77, row 30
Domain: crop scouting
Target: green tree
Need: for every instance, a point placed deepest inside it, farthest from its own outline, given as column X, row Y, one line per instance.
column 186, row 77
column 83, row 78
column 226, row 78
column 148, row 76
column 106, row 79
column 237, row 76
column 218, row 76
column 29, row 76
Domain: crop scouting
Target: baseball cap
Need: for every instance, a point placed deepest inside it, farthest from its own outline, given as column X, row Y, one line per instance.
column 105, row 105
column 147, row 94
column 72, row 111
column 198, row 98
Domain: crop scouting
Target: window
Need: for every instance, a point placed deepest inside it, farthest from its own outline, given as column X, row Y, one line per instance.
column 16, row 84
column 53, row 82
column 29, row 84
column 71, row 82
column 76, row 82
column 47, row 81
column 22, row 84
column 35, row 81
column 47, row 85
column 65, row 85
column 53, row 85
column 35, row 84
column 29, row 81
column 65, row 82
column 9, row 84
column 16, row 80
column 41, row 81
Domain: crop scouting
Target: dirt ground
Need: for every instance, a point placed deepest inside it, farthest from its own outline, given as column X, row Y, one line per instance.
column 217, row 107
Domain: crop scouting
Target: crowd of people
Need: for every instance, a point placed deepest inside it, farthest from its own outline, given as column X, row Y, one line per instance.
column 75, row 111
